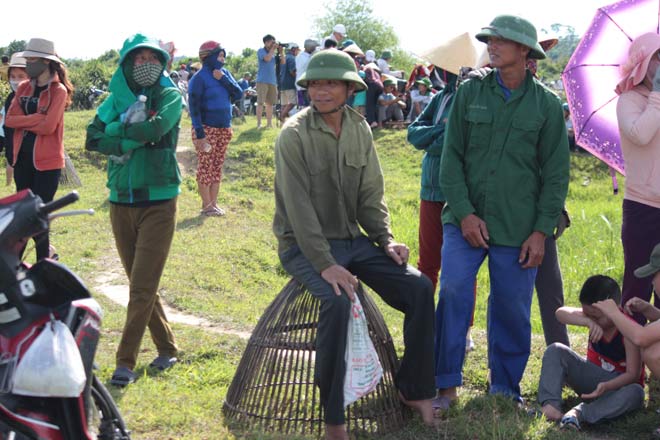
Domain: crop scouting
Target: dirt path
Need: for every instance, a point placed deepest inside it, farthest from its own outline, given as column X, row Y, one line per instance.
column 114, row 285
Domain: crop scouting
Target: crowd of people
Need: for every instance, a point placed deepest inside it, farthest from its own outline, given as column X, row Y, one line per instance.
column 494, row 183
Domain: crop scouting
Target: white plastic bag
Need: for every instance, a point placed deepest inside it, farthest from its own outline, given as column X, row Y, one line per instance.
column 51, row 366
column 363, row 368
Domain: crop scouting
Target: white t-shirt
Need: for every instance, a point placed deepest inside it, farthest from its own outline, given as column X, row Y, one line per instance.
column 301, row 65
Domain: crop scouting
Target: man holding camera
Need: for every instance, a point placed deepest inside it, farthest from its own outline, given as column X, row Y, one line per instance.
column 288, row 95
column 267, row 79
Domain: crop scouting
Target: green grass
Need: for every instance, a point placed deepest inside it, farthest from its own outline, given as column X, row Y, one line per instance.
column 226, row 270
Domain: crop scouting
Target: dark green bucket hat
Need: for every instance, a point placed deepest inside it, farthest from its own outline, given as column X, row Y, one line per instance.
column 331, row 64
column 515, row 29
column 653, row 266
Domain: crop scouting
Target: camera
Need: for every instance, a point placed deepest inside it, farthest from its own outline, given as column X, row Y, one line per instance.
column 282, row 45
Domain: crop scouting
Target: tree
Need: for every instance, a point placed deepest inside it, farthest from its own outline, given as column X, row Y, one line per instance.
column 15, row 46
column 550, row 69
column 367, row 31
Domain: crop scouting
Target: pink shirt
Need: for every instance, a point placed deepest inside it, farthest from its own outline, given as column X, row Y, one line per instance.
column 638, row 114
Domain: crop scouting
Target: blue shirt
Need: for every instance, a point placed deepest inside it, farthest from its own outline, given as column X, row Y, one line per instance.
column 244, row 84
column 210, row 100
column 288, row 73
column 266, row 71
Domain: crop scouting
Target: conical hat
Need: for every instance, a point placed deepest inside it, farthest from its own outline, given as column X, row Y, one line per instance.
column 453, row 54
column 354, row 49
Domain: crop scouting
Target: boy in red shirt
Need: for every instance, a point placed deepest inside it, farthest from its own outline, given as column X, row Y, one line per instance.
column 610, row 378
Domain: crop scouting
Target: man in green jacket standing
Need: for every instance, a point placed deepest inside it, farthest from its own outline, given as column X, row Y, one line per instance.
column 328, row 189
column 504, row 173
column 143, row 179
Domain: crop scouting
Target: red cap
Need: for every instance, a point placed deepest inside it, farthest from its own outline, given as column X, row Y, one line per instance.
column 208, row 47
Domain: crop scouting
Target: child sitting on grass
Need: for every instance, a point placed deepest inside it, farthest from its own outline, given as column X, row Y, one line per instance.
column 610, row 379
column 646, row 338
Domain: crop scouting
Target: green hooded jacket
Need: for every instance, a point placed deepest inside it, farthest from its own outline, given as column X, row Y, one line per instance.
column 142, row 164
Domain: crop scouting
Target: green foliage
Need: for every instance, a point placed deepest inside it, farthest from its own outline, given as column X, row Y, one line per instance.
column 14, row 46
column 239, row 64
column 85, row 75
column 5, row 90
column 550, row 69
column 110, row 57
column 367, row 31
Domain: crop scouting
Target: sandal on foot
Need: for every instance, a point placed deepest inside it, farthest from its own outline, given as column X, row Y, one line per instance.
column 122, row 376
column 163, row 362
column 442, row 403
column 212, row 211
column 570, row 421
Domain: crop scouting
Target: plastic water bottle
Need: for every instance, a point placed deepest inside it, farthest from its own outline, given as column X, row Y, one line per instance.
column 137, row 112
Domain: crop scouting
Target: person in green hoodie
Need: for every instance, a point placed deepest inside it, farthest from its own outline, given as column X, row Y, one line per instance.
column 143, row 179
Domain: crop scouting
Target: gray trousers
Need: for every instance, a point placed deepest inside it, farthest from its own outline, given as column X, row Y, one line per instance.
column 550, row 294
column 387, row 112
column 562, row 366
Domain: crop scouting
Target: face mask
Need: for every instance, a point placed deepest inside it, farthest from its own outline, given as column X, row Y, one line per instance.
column 35, row 68
column 147, row 74
column 14, row 84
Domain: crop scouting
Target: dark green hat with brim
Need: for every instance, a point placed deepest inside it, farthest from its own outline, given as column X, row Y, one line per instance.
column 331, row 64
column 653, row 266
column 515, row 29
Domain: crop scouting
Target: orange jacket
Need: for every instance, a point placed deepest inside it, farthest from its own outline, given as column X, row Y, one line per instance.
column 47, row 124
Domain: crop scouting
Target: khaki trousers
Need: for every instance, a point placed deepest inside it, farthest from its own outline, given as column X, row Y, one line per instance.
column 143, row 236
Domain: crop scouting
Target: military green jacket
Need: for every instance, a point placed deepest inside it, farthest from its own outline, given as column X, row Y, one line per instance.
column 327, row 187
column 505, row 161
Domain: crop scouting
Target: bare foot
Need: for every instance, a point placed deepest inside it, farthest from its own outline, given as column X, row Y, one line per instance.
column 551, row 413
column 423, row 407
column 336, row 432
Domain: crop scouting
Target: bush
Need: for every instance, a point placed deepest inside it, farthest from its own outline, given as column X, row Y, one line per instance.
column 5, row 90
column 85, row 76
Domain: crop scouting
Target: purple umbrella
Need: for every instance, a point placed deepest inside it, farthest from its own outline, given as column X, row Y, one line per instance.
column 592, row 73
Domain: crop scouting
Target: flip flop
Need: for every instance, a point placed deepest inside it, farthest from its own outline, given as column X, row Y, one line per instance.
column 122, row 377
column 442, row 403
column 163, row 363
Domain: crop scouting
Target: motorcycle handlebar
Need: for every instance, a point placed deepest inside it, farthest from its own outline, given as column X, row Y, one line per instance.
column 60, row 203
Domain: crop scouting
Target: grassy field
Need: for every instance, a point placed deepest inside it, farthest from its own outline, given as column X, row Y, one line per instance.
column 226, row 270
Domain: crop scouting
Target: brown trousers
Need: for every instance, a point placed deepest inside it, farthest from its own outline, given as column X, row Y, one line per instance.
column 143, row 236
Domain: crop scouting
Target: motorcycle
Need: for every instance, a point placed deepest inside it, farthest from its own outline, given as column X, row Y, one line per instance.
column 32, row 297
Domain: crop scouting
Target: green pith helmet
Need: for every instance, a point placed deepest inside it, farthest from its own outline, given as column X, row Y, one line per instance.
column 387, row 55
column 331, row 64
column 389, row 81
column 424, row 81
column 515, row 29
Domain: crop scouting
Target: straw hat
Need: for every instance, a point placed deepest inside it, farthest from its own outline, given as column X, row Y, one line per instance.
column 41, row 48
column 354, row 49
column 374, row 66
column 453, row 54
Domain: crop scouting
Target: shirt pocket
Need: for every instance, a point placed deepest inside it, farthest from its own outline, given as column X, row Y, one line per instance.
column 480, row 128
column 356, row 162
column 524, row 136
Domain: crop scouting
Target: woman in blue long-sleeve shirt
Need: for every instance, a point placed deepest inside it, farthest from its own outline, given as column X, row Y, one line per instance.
column 210, row 94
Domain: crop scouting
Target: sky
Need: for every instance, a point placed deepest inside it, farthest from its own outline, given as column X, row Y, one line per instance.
column 97, row 26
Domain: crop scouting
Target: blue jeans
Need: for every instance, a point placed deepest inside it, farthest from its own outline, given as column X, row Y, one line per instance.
column 509, row 304
column 402, row 287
